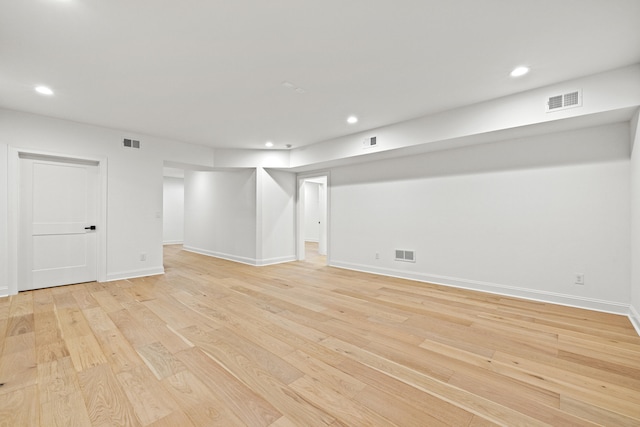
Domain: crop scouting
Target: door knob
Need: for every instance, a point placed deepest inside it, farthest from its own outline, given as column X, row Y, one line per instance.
column 91, row 227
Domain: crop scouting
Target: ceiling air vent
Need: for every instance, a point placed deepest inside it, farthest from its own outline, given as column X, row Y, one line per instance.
column 131, row 143
column 563, row 101
column 370, row 142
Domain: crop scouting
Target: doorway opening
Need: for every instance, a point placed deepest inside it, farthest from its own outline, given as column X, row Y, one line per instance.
column 172, row 206
column 313, row 218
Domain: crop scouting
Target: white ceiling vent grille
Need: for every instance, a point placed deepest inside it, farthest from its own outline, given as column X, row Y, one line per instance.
column 563, row 101
column 370, row 142
column 131, row 143
column 405, row 255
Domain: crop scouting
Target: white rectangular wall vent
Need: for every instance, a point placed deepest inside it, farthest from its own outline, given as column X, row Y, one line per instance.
column 130, row 143
column 563, row 101
column 370, row 142
column 405, row 255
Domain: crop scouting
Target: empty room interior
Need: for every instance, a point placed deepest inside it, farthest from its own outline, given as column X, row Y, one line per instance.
column 296, row 213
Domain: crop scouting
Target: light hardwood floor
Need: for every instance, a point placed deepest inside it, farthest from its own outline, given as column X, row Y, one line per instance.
column 213, row 342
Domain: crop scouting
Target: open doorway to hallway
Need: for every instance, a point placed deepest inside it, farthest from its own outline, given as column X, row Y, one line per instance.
column 313, row 219
column 172, row 206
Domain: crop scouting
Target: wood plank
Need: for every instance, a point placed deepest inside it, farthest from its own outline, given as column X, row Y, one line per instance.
column 20, row 407
column 198, row 401
column 65, row 411
column 106, row 403
column 85, row 352
column 119, row 353
column 246, row 404
column 160, row 360
column 439, row 409
column 349, row 411
column 106, row 301
column 18, row 366
column 21, row 304
column 174, row 419
column 57, row 379
column 73, row 323
column 156, row 327
column 149, row 399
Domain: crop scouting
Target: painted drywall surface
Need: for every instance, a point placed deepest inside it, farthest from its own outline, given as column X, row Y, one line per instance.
column 311, row 212
column 173, row 210
column 276, row 240
column 519, row 217
column 230, row 158
column 635, row 224
column 134, row 195
column 4, row 250
column 613, row 90
column 220, row 214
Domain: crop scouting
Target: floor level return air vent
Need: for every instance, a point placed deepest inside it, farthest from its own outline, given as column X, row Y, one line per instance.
column 405, row 255
column 563, row 101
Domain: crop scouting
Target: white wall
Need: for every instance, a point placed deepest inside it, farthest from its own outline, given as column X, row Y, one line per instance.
column 473, row 124
column 276, row 239
column 245, row 215
column 134, row 199
column 173, row 210
column 220, row 214
column 311, row 211
column 516, row 217
column 4, row 250
column 635, row 224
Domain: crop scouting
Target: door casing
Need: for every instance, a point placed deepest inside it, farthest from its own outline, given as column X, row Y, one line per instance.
column 14, row 203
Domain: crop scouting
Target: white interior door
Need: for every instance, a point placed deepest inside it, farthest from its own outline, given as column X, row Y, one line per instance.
column 58, row 219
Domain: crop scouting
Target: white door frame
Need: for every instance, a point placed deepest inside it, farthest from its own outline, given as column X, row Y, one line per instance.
column 300, row 251
column 14, row 203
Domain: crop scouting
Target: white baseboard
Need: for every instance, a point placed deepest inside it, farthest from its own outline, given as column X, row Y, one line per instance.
column 634, row 316
column 4, row 292
column 494, row 288
column 277, row 260
column 172, row 242
column 123, row 275
column 243, row 260
column 228, row 257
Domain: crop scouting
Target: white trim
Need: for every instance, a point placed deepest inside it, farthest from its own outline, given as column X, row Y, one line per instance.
column 259, row 208
column 172, row 242
column 243, row 260
column 132, row 274
column 14, row 216
column 4, row 292
column 634, row 317
column 277, row 260
column 494, row 288
column 228, row 257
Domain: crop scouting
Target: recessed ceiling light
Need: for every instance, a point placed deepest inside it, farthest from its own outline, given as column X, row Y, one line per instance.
column 352, row 119
column 269, row 144
column 519, row 71
column 43, row 90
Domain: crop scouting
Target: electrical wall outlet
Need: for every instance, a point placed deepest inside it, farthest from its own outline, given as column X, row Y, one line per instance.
column 143, row 256
column 579, row 279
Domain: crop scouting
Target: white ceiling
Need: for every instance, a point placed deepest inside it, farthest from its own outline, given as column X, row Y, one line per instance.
column 211, row 72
